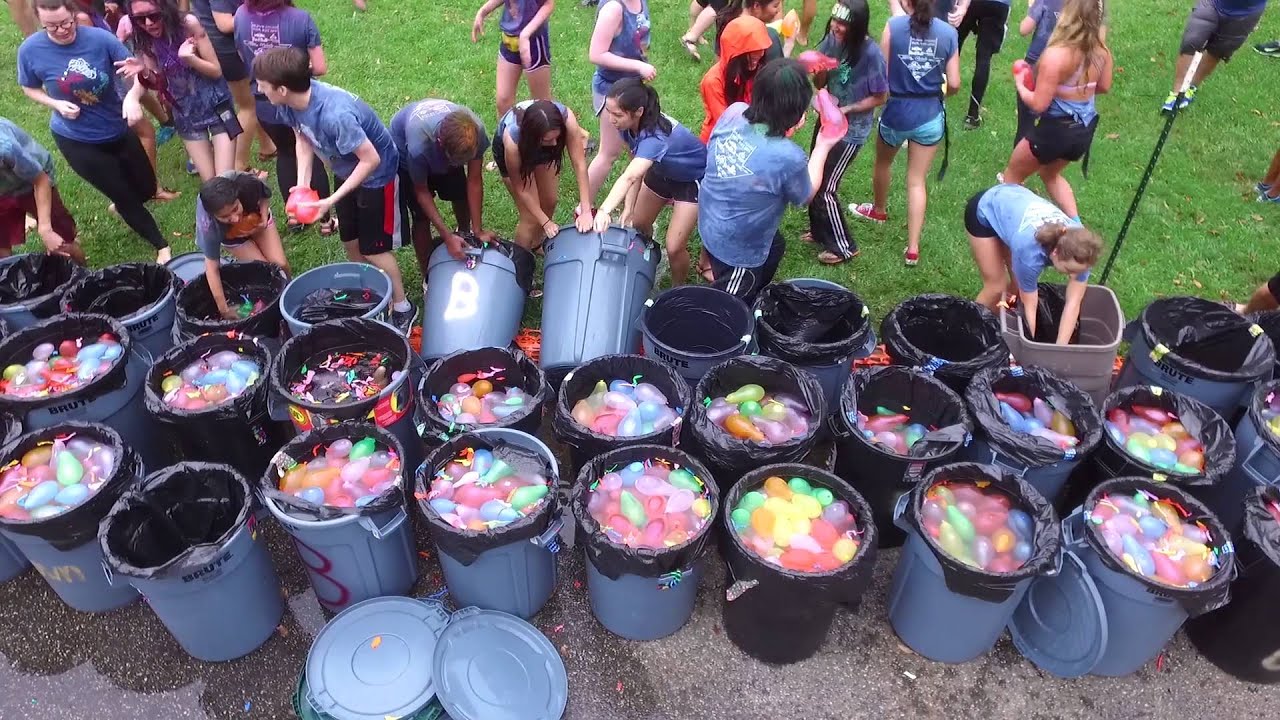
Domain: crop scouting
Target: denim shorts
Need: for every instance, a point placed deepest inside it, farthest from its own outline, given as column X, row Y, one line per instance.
column 927, row 134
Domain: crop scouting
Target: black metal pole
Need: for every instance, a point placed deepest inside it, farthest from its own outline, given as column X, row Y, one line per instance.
column 1151, row 168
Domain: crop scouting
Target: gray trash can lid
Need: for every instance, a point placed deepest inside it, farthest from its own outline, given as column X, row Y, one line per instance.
column 374, row 660
column 493, row 666
column 1061, row 624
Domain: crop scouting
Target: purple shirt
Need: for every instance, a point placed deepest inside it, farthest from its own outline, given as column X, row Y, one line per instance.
column 516, row 15
column 258, row 32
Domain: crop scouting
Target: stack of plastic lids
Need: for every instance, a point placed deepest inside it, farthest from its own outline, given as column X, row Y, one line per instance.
column 399, row 657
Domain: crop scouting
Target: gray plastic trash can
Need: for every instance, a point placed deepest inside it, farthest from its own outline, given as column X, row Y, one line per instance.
column 1257, row 463
column 594, row 291
column 31, row 287
column 513, row 568
column 693, row 328
column 186, row 539
column 12, row 561
column 114, row 399
column 338, row 276
column 144, row 296
column 477, row 302
column 189, row 266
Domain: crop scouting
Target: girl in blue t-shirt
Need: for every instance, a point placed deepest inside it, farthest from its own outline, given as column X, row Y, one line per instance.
column 1015, row 235
column 667, row 164
column 619, row 48
column 858, row 85
column 918, row 48
column 524, row 49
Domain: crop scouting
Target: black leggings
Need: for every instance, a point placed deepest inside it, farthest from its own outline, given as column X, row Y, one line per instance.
column 287, row 161
column 826, row 218
column 120, row 170
column 987, row 19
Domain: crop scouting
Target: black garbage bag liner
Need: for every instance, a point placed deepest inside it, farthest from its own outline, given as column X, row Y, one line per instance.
column 510, row 367
column 467, row 545
column 614, row 560
column 966, row 579
column 810, row 325
column 257, row 280
column 522, row 259
column 1262, row 521
column 729, row 458
column 36, row 281
column 1257, row 403
column 1205, row 597
column 585, row 443
column 17, row 348
column 341, row 336
column 1051, row 300
column 10, row 428
column 1200, row 421
column 177, row 520
column 239, row 430
column 681, row 318
column 330, row 304
column 312, row 444
column 931, row 403
column 79, row 525
column 1205, row 340
column 946, row 335
column 1034, row 382
column 1269, row 321
column 121, row 290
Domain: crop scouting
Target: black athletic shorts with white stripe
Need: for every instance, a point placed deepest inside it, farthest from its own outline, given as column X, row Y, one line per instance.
column 746, row 282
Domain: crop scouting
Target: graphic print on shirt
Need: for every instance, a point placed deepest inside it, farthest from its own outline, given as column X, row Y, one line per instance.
column 1038, row 214
column 922, row 56
column 263, row 37
column 642, row 35
column 430, row 108
column 731, row 154
column 82, row 81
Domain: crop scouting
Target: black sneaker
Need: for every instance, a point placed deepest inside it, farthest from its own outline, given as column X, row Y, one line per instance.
column 972, row 122
column 403, row 321
column 1270, row 49
column 588, row 3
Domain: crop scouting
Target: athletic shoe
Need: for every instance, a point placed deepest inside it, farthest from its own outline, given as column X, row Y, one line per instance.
column 1261, row 188
column 164, row 134
column 403, row 321
column 1270, row 49
column 1188, row 98
column 191, row 168
column 972, row 122
column 866, row 211
column 999, row 178
column 1265, row 198
column 1167, row 107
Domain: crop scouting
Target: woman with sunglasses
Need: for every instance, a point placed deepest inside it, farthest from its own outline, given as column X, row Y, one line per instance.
column 181, row 67
column 70, row 70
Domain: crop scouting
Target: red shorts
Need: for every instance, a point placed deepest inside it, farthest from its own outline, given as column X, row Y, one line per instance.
column 14, row 210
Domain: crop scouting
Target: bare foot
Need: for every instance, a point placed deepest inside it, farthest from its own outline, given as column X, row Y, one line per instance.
column 164, row 255
column 165, row 195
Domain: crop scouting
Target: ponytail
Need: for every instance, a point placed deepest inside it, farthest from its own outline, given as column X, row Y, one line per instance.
column 1049, row 235
column 922, row 13
column 632, row 94
column 1077, row 244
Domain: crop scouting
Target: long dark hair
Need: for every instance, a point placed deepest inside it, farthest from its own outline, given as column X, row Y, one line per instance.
column 737, row 76
column 632, row 94
column 856, row 15
column 266, row 6
column 732, row 11
column 170, row 21
column 921, row 15
column 781, row 97
column 535, row 121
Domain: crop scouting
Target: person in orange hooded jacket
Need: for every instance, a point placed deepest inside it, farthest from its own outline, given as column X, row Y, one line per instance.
column 742, row 48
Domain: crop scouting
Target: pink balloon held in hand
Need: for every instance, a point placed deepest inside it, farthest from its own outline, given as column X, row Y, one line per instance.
column 834, row 123
column 816, row 62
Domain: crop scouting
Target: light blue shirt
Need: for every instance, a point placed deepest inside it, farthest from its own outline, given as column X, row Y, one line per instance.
column 336, row 123
column 1015, row 213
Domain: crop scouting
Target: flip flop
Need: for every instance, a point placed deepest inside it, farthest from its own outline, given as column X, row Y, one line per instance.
column 691, row 47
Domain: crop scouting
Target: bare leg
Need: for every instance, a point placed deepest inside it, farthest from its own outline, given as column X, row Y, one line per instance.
column 386, row 262
column 1058, row 187
column 352, row 249
column 23, row 17
column 1022, row 164
column 1208, row 63
column 808, row 12
column 991, row 267
column 548, row 182
column 1273, row 171
column 247, row 114
column 919, row 162
column 602, row 163
column 270, row 246
column 882, row 174
column 684, row 218
column 508, row 81
column 699, row 25
column 539, row 82
column 1262, row 299
column 201, row 154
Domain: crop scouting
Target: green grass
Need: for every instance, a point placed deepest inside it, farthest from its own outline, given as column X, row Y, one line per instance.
column 1197, row 232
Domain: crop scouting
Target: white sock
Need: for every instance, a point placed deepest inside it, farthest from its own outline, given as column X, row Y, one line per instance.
column 402, row 306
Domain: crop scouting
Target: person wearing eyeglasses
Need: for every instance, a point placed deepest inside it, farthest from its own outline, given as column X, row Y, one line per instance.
column 70, row 70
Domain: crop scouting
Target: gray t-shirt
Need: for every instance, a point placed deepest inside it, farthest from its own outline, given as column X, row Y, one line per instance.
column 22, row 159
column 204, row 10
column 414, row 130
column 211, row 235
column 849, row 85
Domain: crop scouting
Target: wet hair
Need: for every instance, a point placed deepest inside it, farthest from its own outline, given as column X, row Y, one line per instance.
column 536, row 121
column 459, row 136
column 632, row 94
column 170, row 22
column 286, row 67
column 265, row 6
column 738, row 76
column 1076, row 243
column 781, row 96
column 922, row 14
column 70, row 6
column 734, row 10
column 218, row 192
column 856, row 14
column 1080, row 27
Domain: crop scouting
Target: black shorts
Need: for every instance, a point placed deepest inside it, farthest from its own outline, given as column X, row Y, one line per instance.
column 685, row 191
column 717, row 5
column 372, row 216
column 233, row 69
column 1058, row 137
column 747, row 282
column 973, row 223
column 546, row 156
column 449, row 186
column 1273, row 286
column 988, row 19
